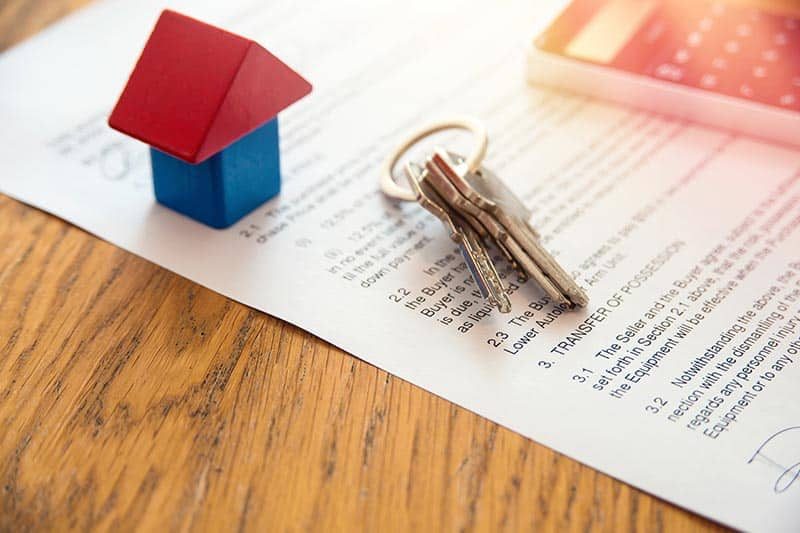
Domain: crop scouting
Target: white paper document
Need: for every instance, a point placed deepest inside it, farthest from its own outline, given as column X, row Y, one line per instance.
column 682, row 377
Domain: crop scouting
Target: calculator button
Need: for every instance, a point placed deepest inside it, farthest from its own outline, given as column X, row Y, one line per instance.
column 720, row 63
column 792, row 24
column 760, row 71
column 744, row 30
column 670, row 72
column 746, row 91
column 694, row 39
column 781, row 39
column 796, row 81
column 770, row 55
column 733, row 47
column 709, row 81
column 706, row 24
column 788, row 100
column 682, row 56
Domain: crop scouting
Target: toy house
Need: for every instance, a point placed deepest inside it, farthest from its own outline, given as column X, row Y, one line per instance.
column 206, row 101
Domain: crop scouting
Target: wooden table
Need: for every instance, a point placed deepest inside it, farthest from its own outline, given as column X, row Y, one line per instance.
column 131, row 397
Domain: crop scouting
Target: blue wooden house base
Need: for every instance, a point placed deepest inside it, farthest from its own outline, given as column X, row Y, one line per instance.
column 227, row 186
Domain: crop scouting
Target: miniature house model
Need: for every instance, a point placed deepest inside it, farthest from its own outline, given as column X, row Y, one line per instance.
column 206, row 101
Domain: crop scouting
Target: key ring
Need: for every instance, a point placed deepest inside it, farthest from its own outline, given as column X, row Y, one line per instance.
column 390, row 187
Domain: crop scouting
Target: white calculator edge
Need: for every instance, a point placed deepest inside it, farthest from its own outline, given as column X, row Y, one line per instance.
column 640, row 91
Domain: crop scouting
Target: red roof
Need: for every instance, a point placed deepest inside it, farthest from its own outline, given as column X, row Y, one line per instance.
column 196, row 89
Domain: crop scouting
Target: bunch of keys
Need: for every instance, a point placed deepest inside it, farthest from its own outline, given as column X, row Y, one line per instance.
column 476, row 207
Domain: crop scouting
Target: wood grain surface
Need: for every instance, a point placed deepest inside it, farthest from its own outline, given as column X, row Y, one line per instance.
column 133, row 399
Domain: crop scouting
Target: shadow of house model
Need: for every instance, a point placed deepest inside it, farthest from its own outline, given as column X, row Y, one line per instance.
column 206, row 101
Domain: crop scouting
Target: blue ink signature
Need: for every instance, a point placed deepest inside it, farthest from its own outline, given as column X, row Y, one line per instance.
column 788, row 475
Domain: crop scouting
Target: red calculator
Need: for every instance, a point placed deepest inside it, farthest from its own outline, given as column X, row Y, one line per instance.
column 731, row 65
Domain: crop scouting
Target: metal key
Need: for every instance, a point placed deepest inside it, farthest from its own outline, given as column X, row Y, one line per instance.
column 483, row 195
column 442, row 184
column 469, row 242
column 490, row 190
column 485, row 190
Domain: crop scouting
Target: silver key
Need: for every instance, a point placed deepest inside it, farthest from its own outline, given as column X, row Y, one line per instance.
column 442, row 184
column 491, row 192
column 513, row 204
column 485, row 190
column 472, row 248
column 483, row 195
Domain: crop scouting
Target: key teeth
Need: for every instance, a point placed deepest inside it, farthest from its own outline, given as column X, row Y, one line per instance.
column 574, row 297
column 579, row 299
column 504, row 306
